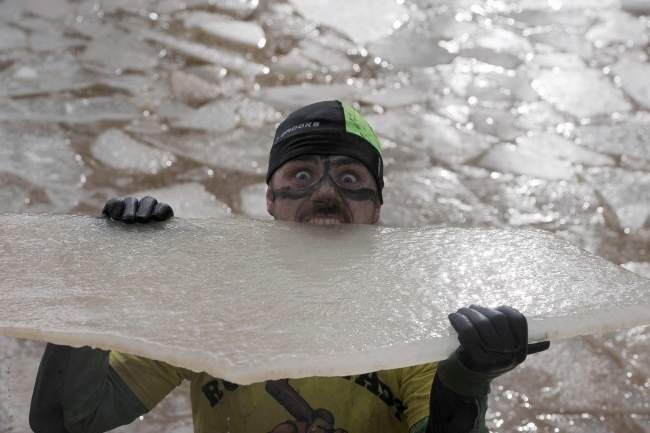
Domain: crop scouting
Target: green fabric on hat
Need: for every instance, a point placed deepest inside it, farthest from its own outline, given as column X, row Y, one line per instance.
column 355, row 124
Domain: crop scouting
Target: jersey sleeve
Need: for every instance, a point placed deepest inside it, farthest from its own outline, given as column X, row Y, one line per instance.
column 415, row 389
column 149, row 380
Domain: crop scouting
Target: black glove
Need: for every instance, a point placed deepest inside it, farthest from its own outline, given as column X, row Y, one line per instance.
column 131, row 210
column 492, row 341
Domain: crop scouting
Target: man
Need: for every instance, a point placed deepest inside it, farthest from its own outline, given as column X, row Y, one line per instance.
column 325, row 167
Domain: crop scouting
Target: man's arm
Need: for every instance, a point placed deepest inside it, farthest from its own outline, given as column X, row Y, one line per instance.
column 492, row 342
column 77, row 391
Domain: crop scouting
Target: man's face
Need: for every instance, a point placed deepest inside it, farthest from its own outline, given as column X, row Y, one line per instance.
column 320, row 189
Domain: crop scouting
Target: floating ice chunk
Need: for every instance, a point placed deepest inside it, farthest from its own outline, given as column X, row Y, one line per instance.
column 640, row 7
column 255, row 114
column 116, row 149
column 44, row 74
column 11, row 10
column 512, row 159
column 627, row 192
column 564, row 39
column 449, row 144
column 292, row 97
column 336, row 61
column 220, row 116
column 431, row 196
column 618, row 27
column 246, row 33
column 498, row 123
column 189, row 200
column 119, row 55
column 522, row 200
column 192, row 89
column 242, row 8
column 294, row 62
column 85, row 110
column 11, row 38
column 552, row 145
column 49, row 41
column 583, row 93
column 52, row 9
column 240, row 150
column 469, row 77
column 43, row 156
column 408, row 48
column 363, row 20
column 253, row 201
column 563, row 291
column 640, row 268
column 631, row 138
column 558, row 60
column 392, row 97
column 207, row 54
column 538, row 116
column 634, row 80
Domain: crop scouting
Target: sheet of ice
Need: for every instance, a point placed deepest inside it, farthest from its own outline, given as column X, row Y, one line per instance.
column 209, row 54
column 431, row 196
column 449, row 144
column 44, row 74
column 42, row 156
column 573, row 92
column 618, row 27
column 189, row 200
column 192, row 89
column 555, row 146
column 641, row 268
column 116, row 149
column 634, row 80
column 241, row 150
column 409, row 48
column 363, row 20
column 627, row 192
column 253, row 202
column 246, row 33
column 120, row 54
column 522, row 200
column 86, row 110
column 295, row 96
column 382, row 293
column 218, row 116
column 11, row 38
column 513, row 159
column 641, row 7
column 630, row 138
column 52, row 9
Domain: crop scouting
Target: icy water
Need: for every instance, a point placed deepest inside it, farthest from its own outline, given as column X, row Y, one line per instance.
column 522, row 113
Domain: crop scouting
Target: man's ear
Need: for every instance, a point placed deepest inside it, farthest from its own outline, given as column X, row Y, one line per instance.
column 270, row 199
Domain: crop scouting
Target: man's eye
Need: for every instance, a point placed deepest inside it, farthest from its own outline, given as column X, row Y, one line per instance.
column 348, row 179
column 302, row 176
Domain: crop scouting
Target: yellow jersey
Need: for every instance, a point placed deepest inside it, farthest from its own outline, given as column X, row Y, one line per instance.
column 390, row 401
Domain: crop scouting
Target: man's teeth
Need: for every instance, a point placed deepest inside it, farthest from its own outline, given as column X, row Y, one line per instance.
column 324, row 221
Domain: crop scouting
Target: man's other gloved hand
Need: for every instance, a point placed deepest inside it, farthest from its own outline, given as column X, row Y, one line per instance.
column 492, row 341
column 130, row 210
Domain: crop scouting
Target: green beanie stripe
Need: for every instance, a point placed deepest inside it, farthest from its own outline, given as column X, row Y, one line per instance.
column 355, row 124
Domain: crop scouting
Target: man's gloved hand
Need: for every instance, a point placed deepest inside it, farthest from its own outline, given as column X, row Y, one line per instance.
column 492, row 341
column 131, row 210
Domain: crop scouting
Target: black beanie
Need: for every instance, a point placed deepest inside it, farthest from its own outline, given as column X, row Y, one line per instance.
column 327, row 128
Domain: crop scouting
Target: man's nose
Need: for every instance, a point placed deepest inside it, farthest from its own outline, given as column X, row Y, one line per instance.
column 325, row 191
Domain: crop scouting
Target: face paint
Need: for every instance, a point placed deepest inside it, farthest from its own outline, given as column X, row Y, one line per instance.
column 298, row 193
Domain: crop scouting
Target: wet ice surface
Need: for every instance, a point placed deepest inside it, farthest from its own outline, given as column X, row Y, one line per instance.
column 451, row 88
column 568, row 291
